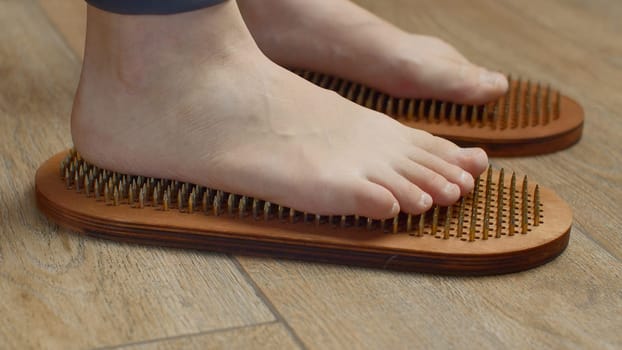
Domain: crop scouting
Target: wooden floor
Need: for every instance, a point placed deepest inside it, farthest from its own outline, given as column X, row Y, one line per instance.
column 61, row 290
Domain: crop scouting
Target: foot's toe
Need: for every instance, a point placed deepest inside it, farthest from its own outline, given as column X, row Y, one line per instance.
column 412, row 199
column 458, row 81
column 441, row 190
column 473, row 160
column 467, row 83
column 475, row 84
column 452, row 173
column 372, row 200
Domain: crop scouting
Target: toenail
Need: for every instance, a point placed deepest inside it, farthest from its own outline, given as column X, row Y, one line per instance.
column 490, row 78
column 466, row 178
column 502, row 81
column 471, row 152
column 395, row 209
column 451, row 189
column 425, row 201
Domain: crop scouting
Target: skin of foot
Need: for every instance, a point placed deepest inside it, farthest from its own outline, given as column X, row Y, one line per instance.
column 168, row 97
column 340, row 38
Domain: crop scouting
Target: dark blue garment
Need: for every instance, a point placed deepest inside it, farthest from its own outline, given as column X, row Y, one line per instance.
column 151, row 7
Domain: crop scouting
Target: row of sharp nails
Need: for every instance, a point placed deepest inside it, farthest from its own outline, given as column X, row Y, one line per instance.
column 524, row 104
column 522, row 214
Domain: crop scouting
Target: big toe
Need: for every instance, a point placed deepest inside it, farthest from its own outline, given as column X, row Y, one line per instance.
column 474, row 160
column 476, row 85
column 462, row 82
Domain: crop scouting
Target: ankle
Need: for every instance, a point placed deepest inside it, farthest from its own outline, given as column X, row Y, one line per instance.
column 136, row 48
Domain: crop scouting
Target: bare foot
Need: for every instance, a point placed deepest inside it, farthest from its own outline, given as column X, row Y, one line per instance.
column 340, row 38
column 166, row 96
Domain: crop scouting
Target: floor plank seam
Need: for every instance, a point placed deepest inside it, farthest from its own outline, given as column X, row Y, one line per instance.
column 188, row 335
column 586, row 233
column 264, row 298
column 47, row 281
